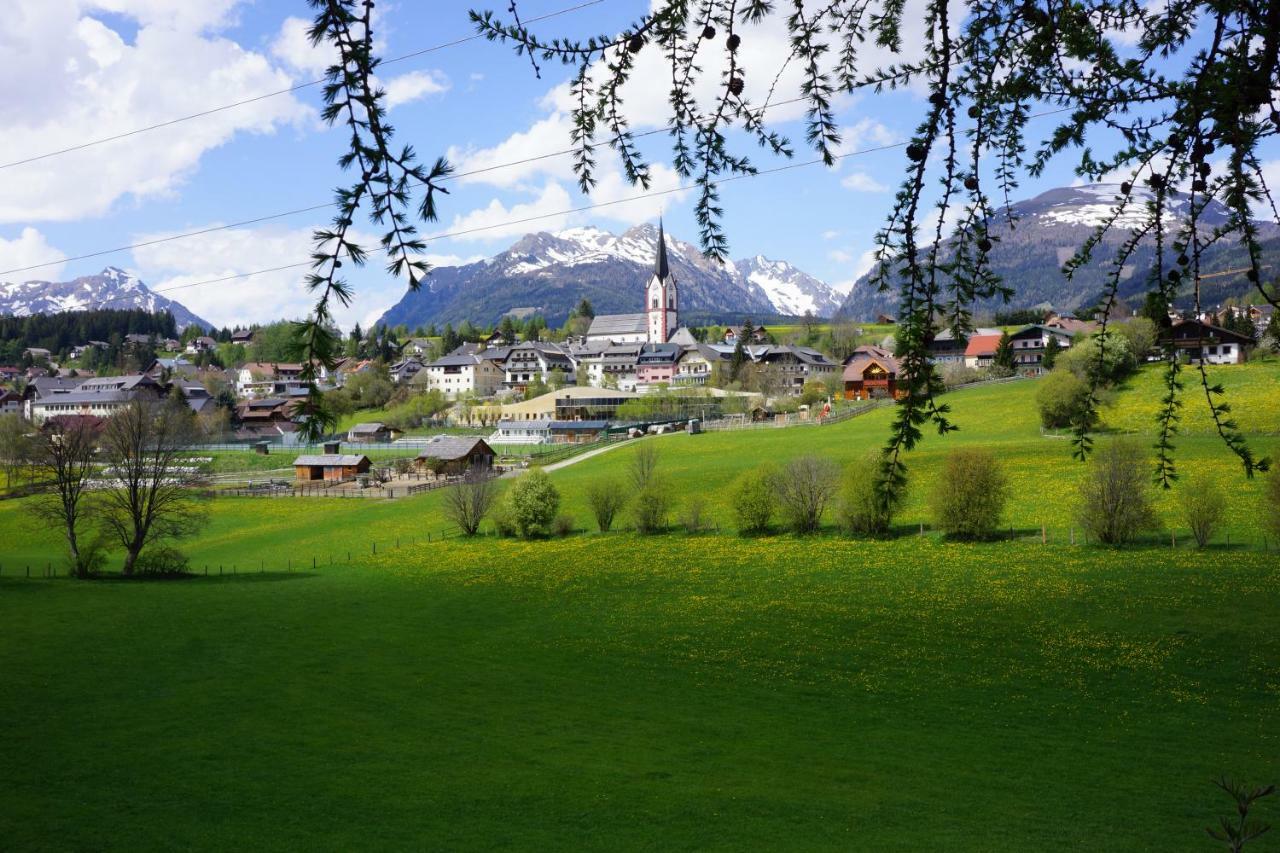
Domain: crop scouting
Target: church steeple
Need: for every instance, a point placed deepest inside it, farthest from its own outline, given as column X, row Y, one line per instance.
column 660, row 267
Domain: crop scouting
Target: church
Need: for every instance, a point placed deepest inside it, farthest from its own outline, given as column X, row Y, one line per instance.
column 657, row 323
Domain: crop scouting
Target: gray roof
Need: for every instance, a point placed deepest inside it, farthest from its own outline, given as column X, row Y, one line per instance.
column 455, row 361
column 618, row 324
column 449, row 447
column 572, row 425
column 539, row 424
column 330, row 459
column 86, row 397
column 372, row 426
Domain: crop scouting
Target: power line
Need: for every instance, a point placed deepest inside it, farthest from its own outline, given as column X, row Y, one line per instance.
column 527, row 219
column 256, row 98
column 267, row 217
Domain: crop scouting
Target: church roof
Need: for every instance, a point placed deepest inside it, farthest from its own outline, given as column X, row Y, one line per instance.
column 660, row 266
column 618, row 324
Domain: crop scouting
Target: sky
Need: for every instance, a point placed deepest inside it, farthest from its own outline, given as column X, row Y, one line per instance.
column 80, row 70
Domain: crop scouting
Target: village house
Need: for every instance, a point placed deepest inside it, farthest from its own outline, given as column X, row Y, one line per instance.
column 254, row 379
column 1029, row 345
column 456, row 454
column 871, row 373
column 759, row 335
column 330, row 466
column 980, row 351
column 204, row 343
column 97, row 397
column 946, row 348
column 534, row 361
column 244, row 337
column 522, row 432
column 37, row 353
column 370, row 432
column 454, row 375
column 798, row 365
column 1201, row 342
column 404, row 370
column 656, row 364
column 266, row 417
column 10, row 402
column 416, row 346
column 694, row 367
column 615, row 366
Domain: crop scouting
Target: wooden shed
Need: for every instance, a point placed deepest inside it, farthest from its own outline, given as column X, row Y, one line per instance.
column 330, row 466
column 456, row 454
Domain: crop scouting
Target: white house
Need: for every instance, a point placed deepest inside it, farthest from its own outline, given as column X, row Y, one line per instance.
column 455, row 375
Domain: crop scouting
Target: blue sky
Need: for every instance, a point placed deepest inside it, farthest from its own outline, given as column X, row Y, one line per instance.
column 83, row 69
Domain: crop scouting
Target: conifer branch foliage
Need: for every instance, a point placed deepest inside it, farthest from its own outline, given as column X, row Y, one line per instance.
column 392, row 187
column 1148, row 91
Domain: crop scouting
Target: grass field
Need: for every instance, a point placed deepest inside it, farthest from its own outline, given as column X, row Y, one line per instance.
column 617, row 692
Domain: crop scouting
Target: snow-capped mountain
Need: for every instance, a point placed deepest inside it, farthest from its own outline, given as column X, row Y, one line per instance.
column 550, row 273
column 1049, row 228
column 111, row 288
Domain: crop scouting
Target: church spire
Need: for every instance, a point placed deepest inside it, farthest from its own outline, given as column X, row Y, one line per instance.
column 660, row 266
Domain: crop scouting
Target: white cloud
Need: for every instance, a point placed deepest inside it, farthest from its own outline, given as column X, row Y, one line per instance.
column 414, row 85
column 497, row 220
column 264, row 297
column 862, row 182
column 840, row 256
column 69, row 78
column 294, row 48
column 544, row 136
column 830, row 234
column 865, row 262
column 28, row 249
column 612, row 185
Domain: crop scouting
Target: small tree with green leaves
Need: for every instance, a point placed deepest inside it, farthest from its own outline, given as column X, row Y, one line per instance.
column 754, row 499
column 651, row 507
column 1061, row 398
column 532, row 503
column 969, row 495
column 1051, row 350
column 1002, row 362
column 861, row 508
column 1203, row 505
column 804, row 487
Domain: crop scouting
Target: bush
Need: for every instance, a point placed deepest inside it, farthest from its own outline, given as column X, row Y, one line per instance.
column 532, row 503
column 563, row 525
column 1118, row 358
column 754, row 499
column 694, row 516
column 644, row 462
column 651, row 507
column 969, row 495
column 861, row 509
column 605, row 498
column 1061, row 398
column 1271, row 503
column 1203, row 505
column 804, row 488
column 1115, row 495
column 162, row 560
column 503, row 524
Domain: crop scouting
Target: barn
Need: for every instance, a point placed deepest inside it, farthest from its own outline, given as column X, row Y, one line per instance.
column 454, row 454
column 330, row 467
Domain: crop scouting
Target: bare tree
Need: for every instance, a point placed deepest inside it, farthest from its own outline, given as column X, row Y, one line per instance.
column 64, row 449
column 469, row 502
column 804, row 489
column 14, row 447
column 151, row 492
column 643, row 465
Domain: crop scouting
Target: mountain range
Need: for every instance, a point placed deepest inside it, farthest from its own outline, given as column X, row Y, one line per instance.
column 111, row 288
column 1045, row 231
column 550, row 273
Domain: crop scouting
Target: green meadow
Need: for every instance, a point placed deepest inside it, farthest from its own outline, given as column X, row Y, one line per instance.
column 670, row 692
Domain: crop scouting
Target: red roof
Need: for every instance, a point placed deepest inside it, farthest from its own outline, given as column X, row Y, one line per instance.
column 980, row 345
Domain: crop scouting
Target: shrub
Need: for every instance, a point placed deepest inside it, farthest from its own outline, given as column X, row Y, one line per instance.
column 650, row 508
column 804, row 488
column 1118, row 358
column 1271, row 502
column 1060, row 398
column 162, row 560
column 605, row 498
column 969, row 495
column 1115, row 494
column 532, row 503
column 694, row 516
column 754, row 499
column 503, row 525
column 1203, row 505
column 861, row 508
column 563, row 524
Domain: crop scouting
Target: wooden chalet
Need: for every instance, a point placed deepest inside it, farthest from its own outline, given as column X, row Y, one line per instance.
column 374, row 431
column 1201, row 342
column 871, row 373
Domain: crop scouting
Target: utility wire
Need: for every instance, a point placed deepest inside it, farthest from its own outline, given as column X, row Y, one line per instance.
column 256, row 98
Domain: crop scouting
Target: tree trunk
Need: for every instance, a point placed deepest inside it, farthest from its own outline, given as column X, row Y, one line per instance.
column 74, row 546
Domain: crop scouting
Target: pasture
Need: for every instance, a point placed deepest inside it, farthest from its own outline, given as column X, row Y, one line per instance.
column 679, row 691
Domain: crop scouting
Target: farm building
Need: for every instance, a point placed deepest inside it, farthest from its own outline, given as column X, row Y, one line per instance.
column 457, row 453
column 574, row 432
column 871, row 373
column 330, row 466
column 522, row 431
column 373, row 431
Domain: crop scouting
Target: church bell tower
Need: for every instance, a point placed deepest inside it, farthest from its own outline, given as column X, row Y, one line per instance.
column 661, row 303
